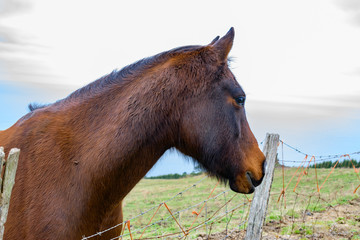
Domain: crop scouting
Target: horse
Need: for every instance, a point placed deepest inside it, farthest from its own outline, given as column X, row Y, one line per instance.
column 81, row 155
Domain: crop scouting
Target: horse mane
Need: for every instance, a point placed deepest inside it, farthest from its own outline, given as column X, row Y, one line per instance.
column 33, row 106
column 119, row 77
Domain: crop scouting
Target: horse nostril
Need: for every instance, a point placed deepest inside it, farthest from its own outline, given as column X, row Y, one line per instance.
column 250, row 177
column 253, row 180
column 264, row 166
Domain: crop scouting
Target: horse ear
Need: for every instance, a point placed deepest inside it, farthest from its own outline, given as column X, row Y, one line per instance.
column 215, row 40
column 224, row 44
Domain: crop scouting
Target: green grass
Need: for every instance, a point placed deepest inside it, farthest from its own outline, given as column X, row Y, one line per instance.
column 151, row 192
column 338, row 189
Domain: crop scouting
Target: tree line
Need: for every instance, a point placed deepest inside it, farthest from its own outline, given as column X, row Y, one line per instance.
column 327, row 164
column 174, row 175
column 343, row 164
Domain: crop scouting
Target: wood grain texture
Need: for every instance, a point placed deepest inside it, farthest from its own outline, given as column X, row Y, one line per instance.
column 2, row 161
column 262, row 193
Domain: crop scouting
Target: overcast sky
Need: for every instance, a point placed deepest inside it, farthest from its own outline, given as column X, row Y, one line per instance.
column 298, row 61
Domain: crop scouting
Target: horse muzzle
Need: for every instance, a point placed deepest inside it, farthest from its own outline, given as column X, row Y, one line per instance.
column 245, row 183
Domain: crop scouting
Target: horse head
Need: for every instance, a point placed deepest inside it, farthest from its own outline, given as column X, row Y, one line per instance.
column 213, row 127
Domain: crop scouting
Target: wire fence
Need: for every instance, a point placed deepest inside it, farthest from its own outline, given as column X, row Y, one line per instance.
column 313, row 203
column 304, row 203
column 179, row 217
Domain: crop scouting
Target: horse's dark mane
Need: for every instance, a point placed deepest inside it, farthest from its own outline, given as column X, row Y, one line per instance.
column 120, row 77
column 34, row 106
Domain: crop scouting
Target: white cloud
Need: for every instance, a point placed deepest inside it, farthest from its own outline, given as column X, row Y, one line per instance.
column 298, row 52
column 298, row 61
column 297, row 48
column 8, row 7
column 352, row 7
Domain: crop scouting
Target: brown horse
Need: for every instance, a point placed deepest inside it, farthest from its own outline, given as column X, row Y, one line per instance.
column 81, row 155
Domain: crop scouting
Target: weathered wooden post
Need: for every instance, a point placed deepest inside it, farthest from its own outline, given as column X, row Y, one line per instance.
column 262, row 193
column 7, row 181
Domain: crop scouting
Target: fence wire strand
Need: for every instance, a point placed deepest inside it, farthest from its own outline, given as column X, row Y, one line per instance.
column 313, row 201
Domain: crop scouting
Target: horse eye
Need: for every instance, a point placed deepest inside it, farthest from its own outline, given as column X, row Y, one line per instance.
column 240, row 100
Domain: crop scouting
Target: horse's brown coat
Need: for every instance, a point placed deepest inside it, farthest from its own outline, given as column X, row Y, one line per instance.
column 82, row 155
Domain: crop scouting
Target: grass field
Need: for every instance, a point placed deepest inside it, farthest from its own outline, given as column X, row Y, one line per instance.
column 226, row 211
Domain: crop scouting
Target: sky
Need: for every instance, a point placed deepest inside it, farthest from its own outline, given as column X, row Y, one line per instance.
column 298, row 61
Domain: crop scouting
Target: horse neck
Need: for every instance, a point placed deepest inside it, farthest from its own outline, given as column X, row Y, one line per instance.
column 125, row 131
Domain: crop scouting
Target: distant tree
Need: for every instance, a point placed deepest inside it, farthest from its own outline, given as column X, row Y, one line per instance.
column 174, row 175
column 198, row 168
column 343, row 164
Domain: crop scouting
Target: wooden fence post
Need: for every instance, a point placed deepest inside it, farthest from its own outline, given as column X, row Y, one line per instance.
column 2, row 162
column 8, row 182
column 262, row 193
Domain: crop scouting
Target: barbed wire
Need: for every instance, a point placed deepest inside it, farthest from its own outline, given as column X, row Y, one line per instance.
column 318, row 157
column 217, row 216
column 234, row 229
column 213, row 218
column 136, row 231
column 313, row 196
column 180, row 211
column 144, row 212
column 317, row 161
